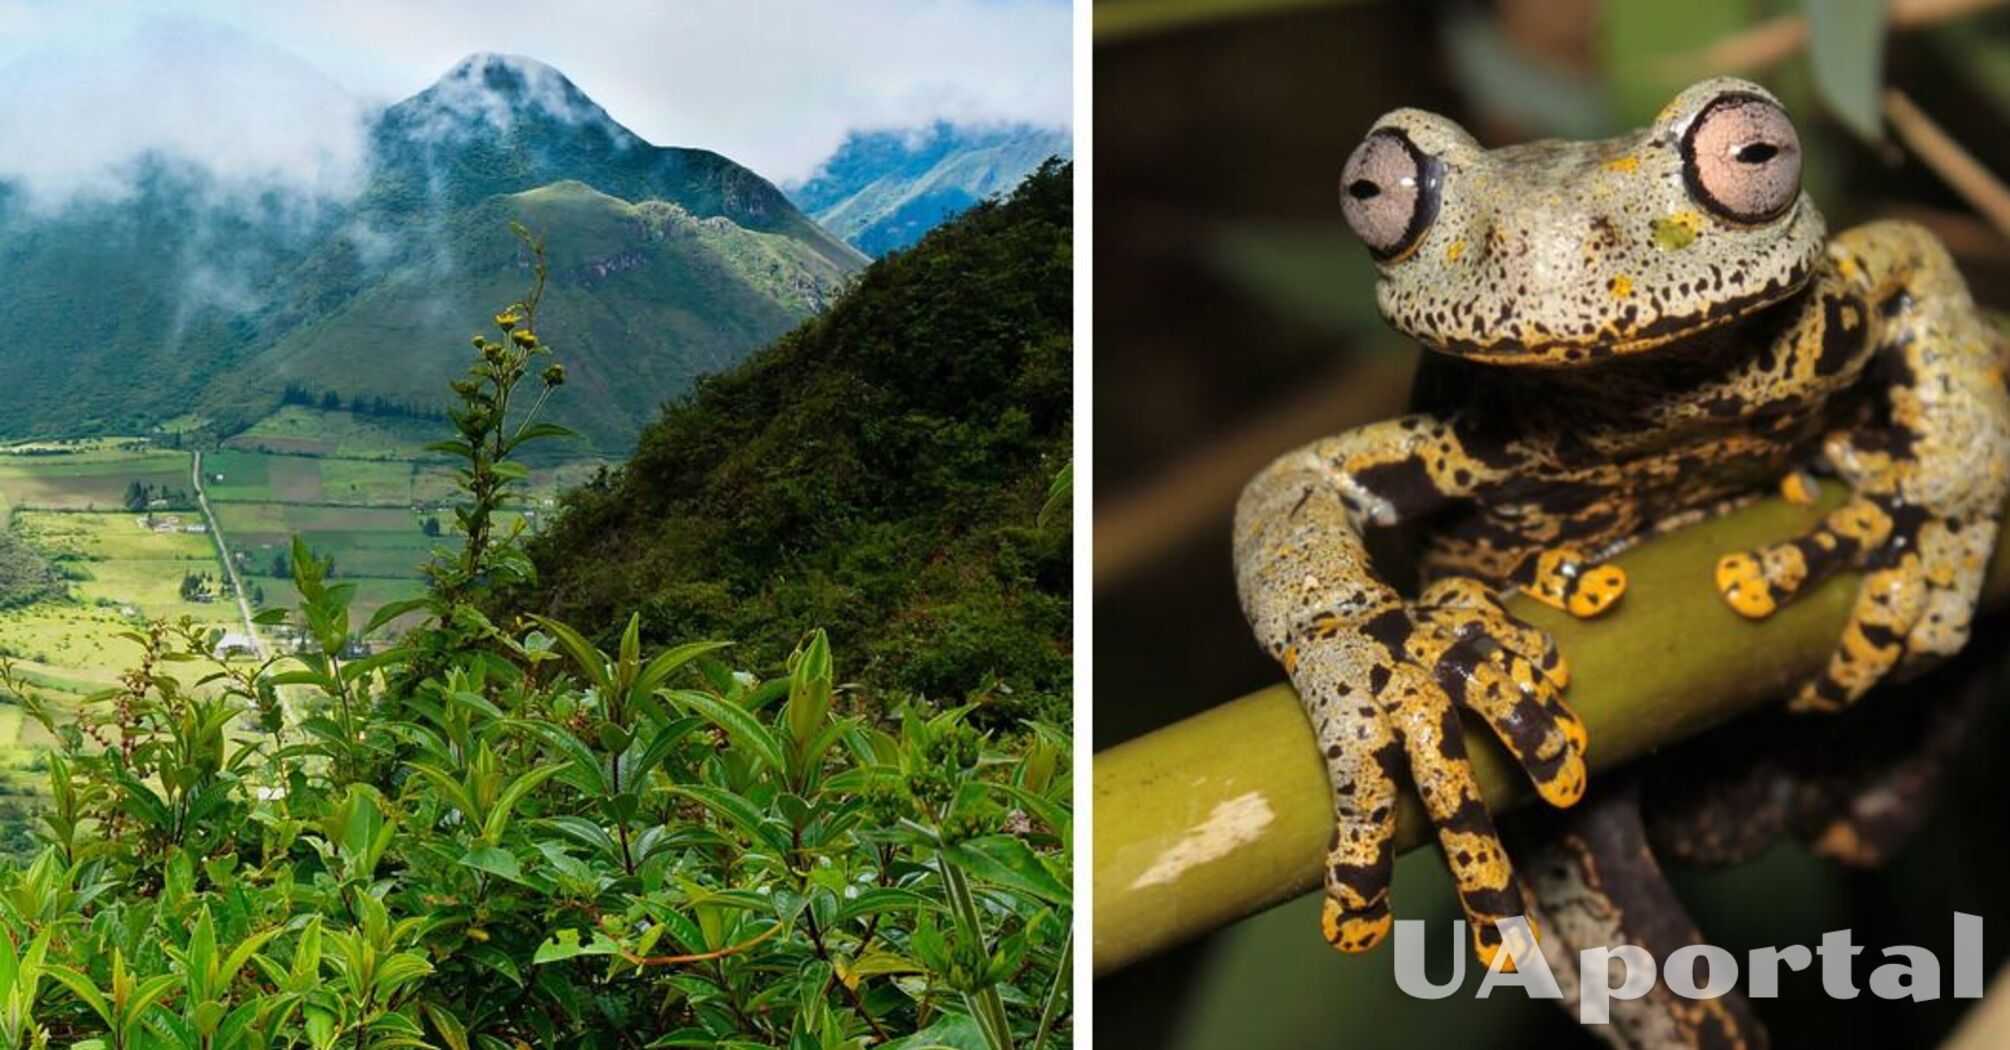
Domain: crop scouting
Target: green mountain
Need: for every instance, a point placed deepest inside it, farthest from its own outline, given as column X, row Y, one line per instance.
column 876, row 472
column 181, row 299
column 882, row 190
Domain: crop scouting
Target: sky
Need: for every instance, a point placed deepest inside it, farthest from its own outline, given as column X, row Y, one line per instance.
column 267, row 90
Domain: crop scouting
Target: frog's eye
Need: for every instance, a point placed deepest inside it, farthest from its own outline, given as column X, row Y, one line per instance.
column 1389, row 192
column 1741, row 159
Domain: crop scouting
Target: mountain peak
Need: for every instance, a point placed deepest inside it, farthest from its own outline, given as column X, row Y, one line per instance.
column 498, row 91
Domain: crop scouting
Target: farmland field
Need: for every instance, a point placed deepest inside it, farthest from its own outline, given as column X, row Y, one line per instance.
column 84, row 475
column 299, row 430
column 361, row 490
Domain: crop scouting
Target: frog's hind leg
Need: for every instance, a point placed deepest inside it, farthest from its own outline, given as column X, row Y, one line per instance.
column 1594, row 883
column 1929, row 478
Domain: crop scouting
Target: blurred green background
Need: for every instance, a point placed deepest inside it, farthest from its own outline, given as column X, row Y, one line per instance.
column 1235, row 319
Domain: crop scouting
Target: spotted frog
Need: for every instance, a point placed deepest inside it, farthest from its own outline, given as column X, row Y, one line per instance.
column 1638, row 332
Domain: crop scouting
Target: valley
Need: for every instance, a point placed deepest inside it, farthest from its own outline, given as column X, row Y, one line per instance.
column 118, row 526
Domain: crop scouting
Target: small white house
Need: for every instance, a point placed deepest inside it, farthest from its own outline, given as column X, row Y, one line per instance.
column 236, row 643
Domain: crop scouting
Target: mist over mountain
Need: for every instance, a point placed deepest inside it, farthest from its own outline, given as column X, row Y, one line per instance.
column 191, row 297
column 882, row 190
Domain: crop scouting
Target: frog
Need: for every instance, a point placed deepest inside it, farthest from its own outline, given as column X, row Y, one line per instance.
column 1621, row 337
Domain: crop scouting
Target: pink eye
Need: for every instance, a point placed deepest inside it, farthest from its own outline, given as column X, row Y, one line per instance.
column 1742, row 160
column 1389, row 193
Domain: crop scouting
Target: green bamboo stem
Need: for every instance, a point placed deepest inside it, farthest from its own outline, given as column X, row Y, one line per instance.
column 1227, row 813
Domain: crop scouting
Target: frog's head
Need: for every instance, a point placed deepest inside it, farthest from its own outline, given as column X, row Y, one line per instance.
column 1558, row 253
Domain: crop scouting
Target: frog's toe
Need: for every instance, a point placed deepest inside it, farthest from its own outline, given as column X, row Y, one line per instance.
column 1363, row 761
column 1506, row 672
column 1953, row 557
column 1490, row 947
column 1755, row 584
column 1759, row 581
column 1434, row 742
column 1355, row 931
column 1456, row 594
column 1889, row 605
column 1522, row 706
column 1800, row 488
column 1567, row 579
column 1382, row 702
column 1942, row 629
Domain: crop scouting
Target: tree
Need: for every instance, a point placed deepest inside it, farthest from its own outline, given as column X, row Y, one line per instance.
column 431, row 526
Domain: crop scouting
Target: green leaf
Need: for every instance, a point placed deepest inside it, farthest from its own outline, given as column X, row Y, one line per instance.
column 1008, row 862
column 734, row 808
column 741, row 727
column 584, row 761
column 585, row 655
column 583, row 831
column 495, row 861
column 660, row 746
column 450, row 786
column 565, row 944
column 506, row 803
column 664, row 663
column 809, row 690
column 241, row 954
column 495, row 959
column 878, row 899
column 150, row 991
column 391, row 611
column 452, row 1031
column 85, row 990
column 1060, row 496
column 1846, row 44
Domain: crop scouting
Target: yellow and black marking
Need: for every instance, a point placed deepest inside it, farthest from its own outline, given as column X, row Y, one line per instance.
column 1758, row 582
column 1565, row 579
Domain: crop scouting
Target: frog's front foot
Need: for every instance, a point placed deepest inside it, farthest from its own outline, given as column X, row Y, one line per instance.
column 1568, row 579
column 1922, row 574
column 1383, row 694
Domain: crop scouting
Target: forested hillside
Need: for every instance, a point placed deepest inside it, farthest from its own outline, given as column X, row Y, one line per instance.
column 877, row 471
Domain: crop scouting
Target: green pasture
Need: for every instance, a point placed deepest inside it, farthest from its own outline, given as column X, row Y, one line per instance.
column 300, row 430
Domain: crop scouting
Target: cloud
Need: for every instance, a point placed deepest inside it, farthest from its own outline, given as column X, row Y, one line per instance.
column 773, row 84
column 85, row 108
